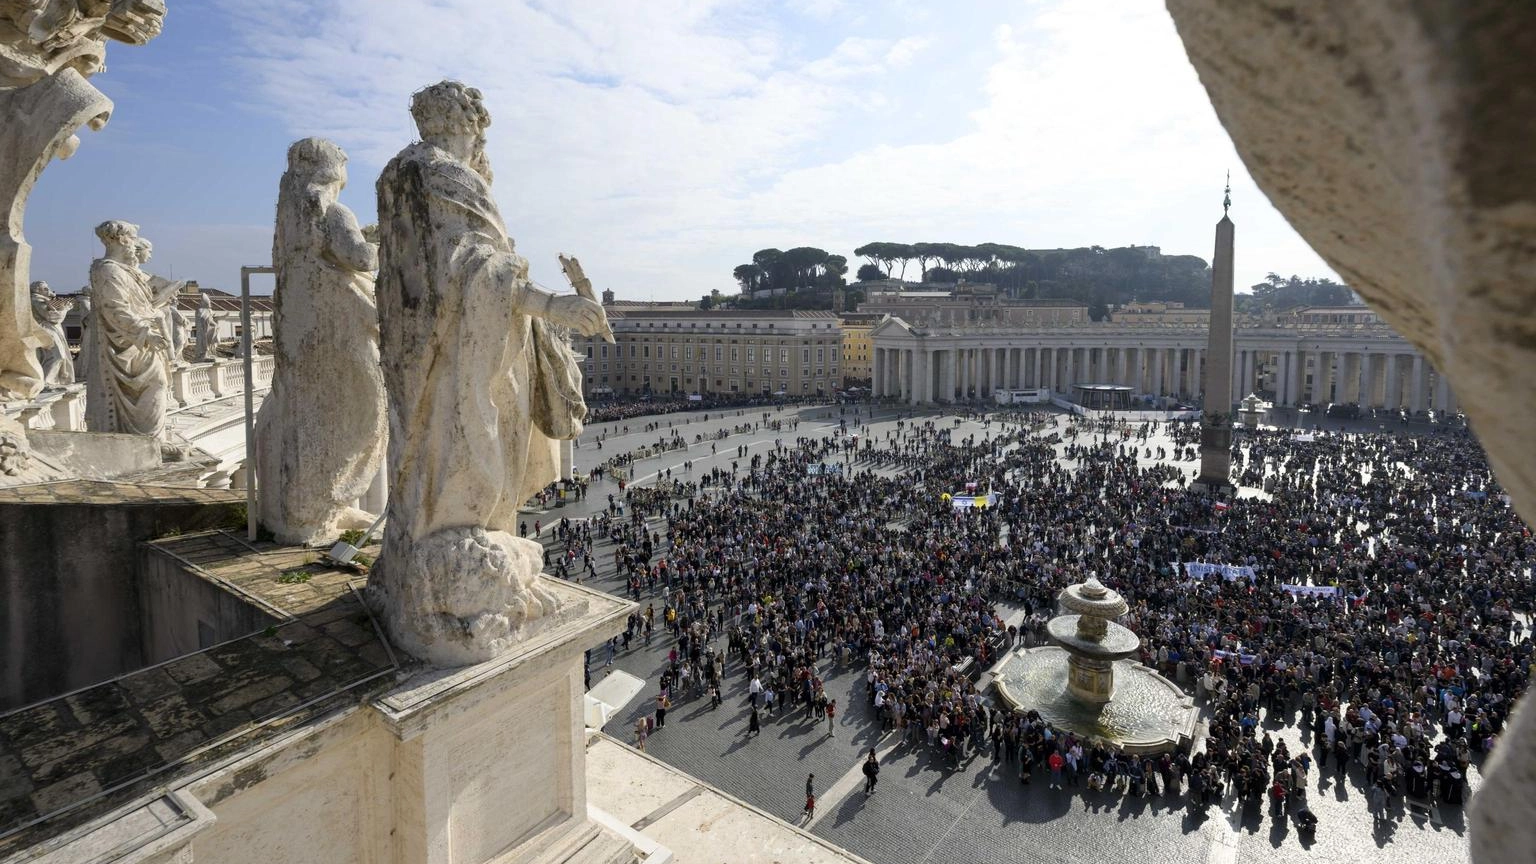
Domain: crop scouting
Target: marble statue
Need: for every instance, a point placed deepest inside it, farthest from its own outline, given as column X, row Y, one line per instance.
column 207, row 330
column 87, row 336
column 176, row 324
column 129, row 382
column 482, row 384
column 320, row 436
column 48, row 48
column 57, row 363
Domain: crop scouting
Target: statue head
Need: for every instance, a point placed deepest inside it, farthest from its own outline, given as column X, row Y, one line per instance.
column 205, row 300
column 317, row 162
column 120, row 237
column 143, row 250
column 452, row 116
column 41, row 295
column 46, row 306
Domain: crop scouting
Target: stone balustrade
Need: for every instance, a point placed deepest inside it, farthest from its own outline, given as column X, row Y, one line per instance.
column 191, row 385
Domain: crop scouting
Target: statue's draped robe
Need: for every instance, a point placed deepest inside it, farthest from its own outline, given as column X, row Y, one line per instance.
column 479, row 393
column 127, row 387
column 321, row 431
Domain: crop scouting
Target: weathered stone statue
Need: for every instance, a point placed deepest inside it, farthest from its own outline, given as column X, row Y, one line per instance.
column 87, row 336
column 207, row 330
column 47, row 50
column 320, row 436
column 54, row 357
column 176, row 324
column 481, row 382
column 128, row 385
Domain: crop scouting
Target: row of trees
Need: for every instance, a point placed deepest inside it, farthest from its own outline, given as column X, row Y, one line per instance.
column 1094, row 275
column 803, row 268
column 1277, row 293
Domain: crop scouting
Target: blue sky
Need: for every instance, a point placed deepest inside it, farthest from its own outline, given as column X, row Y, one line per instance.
column 665, row 141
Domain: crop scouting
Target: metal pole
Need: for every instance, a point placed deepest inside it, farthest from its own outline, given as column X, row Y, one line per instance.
column 250, row 400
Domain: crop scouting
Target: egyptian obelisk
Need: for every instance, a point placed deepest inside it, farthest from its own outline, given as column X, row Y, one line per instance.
column 1216, row 418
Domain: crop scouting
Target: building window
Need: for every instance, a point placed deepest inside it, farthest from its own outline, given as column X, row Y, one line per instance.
column 821, row 355
column 805, row 355
column 783, row 355
column 751, row 355
column 674, row 352
column 589, row 352
column 734, row 353
column 719, row 353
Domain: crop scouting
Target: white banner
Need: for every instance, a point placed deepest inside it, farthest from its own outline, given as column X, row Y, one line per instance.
column 1229, row 572
column 1313, row 590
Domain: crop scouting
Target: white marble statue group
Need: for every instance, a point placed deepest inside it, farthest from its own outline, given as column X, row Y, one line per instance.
column 465, row 369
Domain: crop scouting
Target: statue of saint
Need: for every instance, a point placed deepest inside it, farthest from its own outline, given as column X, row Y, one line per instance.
column 320, row 437
column 176, row 324
column 48, row 48
column 482, row 384
column 87, row 336
column 54, row 357
column 207, row 329
column 129, row 374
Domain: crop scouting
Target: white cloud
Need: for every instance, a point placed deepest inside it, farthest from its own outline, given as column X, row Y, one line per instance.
column 665, row 141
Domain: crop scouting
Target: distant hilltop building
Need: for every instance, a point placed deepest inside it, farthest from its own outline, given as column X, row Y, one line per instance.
column 967, row 304
column 1159, row 313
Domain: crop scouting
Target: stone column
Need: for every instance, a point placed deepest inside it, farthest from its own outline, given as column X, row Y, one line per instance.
column 1068, row 374
column 1366, row 388
column 877, row 382
column 1178, row 373
column 1294, row 374
column 1392, row 389
column 1418, row 384
column 1442, row 391
column 1156, row 357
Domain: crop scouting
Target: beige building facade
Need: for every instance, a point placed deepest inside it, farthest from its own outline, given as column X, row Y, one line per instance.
column 858, row 346
column 672, row 351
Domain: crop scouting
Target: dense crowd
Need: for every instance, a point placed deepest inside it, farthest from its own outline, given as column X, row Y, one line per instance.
column 1382, row 613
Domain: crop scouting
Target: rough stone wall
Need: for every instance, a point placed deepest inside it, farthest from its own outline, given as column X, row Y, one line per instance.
column 69, row 600
column 1399, row 139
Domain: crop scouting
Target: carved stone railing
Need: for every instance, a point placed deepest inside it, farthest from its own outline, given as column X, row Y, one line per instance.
column 63, row 410
column 192, row 385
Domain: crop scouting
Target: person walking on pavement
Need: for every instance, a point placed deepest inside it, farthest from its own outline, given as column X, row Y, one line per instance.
column 831, row 717
column 755, row 724
column 871, row 772
column 810, row 797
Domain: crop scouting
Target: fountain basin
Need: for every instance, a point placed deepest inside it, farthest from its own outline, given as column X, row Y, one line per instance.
column 1146, row 713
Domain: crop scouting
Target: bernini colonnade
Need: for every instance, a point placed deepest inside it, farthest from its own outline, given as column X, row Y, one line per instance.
column 1372, row 368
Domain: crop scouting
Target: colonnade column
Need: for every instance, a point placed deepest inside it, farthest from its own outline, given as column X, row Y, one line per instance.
column 1392, row 388
column 1293, row 377
column 1418, row 384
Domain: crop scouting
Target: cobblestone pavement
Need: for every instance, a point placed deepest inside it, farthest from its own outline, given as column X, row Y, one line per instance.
column 978, row 811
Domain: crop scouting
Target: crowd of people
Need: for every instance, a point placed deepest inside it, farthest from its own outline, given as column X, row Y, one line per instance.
column 1373, row 596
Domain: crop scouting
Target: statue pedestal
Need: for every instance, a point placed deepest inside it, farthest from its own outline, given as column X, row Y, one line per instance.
column 489, row 761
